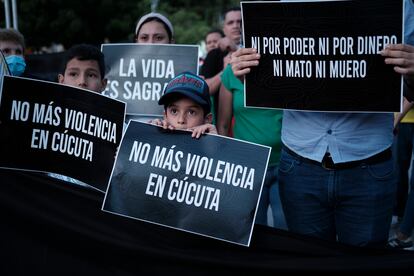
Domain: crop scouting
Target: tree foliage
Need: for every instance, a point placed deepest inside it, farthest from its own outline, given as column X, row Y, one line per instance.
column 43, row 22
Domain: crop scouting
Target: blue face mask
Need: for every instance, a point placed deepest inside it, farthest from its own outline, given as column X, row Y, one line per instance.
column 16, row 65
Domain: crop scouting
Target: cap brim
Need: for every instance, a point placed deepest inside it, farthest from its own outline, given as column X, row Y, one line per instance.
column 164, row 98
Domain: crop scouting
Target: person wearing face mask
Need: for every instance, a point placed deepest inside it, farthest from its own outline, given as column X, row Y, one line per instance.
column 12, row 45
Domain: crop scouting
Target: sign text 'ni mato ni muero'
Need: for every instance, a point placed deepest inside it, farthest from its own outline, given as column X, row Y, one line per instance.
column 323, row 55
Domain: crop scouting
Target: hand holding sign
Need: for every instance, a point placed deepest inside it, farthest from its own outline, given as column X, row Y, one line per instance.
column 402, row 56
column 242, row 60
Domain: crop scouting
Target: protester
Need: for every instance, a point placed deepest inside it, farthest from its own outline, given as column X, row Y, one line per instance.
column 218, row 58
column 84, row 67
column 336, row 173
column 404, row 152
column 403, row 149
column 154, row 28
column 212, row 39
column 187, row 105
column 12, row 45
column 404, row 207
column 261, row 126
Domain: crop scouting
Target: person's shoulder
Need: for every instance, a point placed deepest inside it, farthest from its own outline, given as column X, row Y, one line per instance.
column 217, row 53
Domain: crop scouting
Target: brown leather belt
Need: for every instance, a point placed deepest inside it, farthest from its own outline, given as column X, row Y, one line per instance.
column 327, row 162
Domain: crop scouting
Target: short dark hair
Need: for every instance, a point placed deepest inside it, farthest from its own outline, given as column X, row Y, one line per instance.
column 215, row 30
column 12, row 35
column 231, row 10
column 84, row 52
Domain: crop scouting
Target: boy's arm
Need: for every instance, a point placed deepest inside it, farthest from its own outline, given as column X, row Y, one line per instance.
column 225, row 111
column 206, row 128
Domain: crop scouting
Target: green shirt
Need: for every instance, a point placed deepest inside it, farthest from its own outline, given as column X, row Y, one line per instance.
column 261, row 126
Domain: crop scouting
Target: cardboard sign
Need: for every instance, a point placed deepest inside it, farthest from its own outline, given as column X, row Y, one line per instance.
column 323, row 55
column 55, row 128
column 139, row 72
column 208, row 186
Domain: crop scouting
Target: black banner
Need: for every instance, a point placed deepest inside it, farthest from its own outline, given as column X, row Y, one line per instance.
column 208, row 186
column 50, row 228
column 60, row 129
column 139, row 72
column 323, row 55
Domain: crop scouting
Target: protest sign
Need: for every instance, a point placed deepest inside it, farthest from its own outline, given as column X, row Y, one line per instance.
column 208, row 186
column 4, row 69
column 55, row 128
column 323, row 55
column 139, row 72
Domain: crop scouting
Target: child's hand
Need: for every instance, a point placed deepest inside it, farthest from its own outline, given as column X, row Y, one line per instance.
column 161, row 123
column 206, row 128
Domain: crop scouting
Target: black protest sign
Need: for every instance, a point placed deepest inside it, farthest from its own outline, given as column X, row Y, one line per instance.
column 208, row 186
column 56, row 128
column 323, row 55
column 139, row 73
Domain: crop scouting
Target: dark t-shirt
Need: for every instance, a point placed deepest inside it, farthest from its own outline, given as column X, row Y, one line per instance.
column 213, row 64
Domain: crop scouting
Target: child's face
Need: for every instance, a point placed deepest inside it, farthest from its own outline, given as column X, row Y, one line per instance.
column 212, row 41
column 184, row 114
column 84, row 74
column 153, row 32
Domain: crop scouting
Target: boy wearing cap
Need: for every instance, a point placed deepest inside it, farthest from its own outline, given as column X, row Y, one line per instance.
column 187, row 105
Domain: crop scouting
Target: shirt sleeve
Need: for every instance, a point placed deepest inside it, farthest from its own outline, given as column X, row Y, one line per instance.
column 229, row 80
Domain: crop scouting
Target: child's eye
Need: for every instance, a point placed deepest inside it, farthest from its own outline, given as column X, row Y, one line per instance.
column 73, row 74
column 92, row 75
column 173, row 110
column 192, row 112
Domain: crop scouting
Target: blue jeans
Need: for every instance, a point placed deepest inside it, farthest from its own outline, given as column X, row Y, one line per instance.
column 352, row 206
column 407, row 223
column 270, row 196
column 403, row 149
